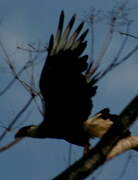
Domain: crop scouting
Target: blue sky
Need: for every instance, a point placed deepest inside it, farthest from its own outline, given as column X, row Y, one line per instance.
column 25, row 22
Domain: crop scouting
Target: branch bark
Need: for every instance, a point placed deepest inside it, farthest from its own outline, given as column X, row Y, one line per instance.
column 123, row 145
column 99, row 154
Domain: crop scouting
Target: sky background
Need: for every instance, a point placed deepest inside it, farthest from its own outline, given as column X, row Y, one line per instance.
column 23, row 22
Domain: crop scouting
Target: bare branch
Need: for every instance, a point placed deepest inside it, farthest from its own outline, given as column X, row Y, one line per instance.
column 32, row 49
column 27, row 64
column 114, row 64
column 94, row 66
column 16, row 117
column 16, row 75
column 98, row 155
column 123, row 145
column 127, row 34
column 118, row 17
column 9, row 145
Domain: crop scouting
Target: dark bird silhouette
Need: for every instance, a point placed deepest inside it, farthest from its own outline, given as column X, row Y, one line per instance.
column 67, row 91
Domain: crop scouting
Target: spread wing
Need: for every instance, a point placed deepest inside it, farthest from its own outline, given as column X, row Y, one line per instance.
column 63, row 84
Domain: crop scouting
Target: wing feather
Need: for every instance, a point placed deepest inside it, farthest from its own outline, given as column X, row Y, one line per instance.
column 66, row 92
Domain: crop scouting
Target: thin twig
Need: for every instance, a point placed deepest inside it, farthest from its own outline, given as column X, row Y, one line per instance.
column 114, row 65
column 15, row 78
column 9, row 145
column 15, row 74
column 106, row 43
column 17, row 117
column 32, row 49
column 127, row 34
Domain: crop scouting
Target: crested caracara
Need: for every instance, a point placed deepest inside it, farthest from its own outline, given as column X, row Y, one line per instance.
column 67, row 91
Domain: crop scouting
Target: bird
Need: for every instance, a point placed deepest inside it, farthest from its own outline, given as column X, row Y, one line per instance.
column 67, row 91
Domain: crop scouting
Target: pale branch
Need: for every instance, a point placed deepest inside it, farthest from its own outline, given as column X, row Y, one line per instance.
column 98, row 155
column 123, row 145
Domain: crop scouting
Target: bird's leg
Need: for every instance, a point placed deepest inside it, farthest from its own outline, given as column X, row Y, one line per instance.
column 86, row 149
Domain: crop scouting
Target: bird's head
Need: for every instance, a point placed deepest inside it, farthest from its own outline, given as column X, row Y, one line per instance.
column 27, row 131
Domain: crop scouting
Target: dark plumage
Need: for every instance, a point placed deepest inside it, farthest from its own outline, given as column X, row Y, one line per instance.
column 66, row 93
column 66, row 90
column 64, row 87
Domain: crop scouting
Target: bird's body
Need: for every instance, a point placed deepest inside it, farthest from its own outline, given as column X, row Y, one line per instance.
column 64, row 87
column 66, row 91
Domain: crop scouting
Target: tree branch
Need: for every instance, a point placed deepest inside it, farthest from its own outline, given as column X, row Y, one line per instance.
column 16, row 117
column 99, row 154
column 123, row 145
column 7, row 146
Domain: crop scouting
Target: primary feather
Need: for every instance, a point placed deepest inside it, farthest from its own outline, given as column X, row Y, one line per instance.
column 64, row 87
